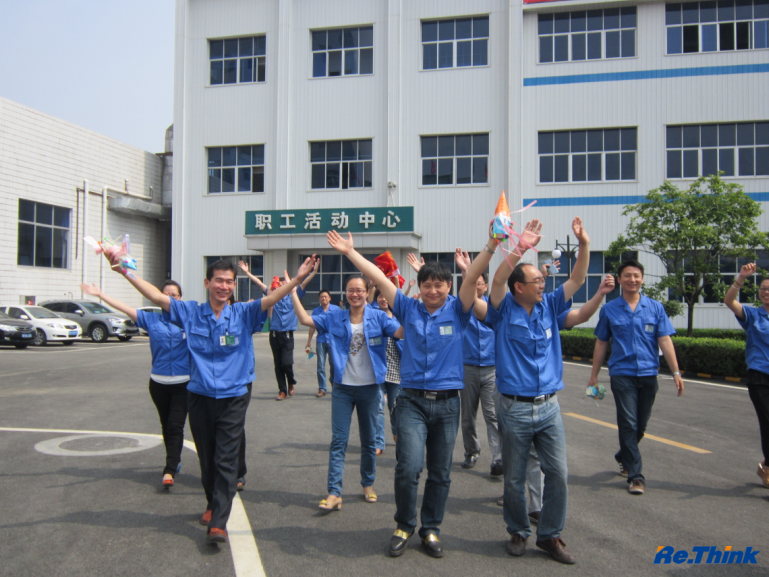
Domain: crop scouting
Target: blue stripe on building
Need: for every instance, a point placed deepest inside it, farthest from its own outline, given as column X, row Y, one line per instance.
column 647, row 74
column 609, row 200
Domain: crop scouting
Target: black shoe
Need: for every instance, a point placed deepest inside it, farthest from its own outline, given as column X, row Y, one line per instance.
column 432, row 545
column 534, row 516
column 470, row 461
column 398, row 542
column 516, row 546
column 496, row 469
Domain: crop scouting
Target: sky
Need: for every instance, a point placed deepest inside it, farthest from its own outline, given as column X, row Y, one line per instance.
column 105, row 65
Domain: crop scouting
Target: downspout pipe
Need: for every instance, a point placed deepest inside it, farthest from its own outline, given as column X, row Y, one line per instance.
column 85, row 232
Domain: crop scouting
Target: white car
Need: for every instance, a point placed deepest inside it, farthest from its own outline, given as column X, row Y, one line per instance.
column 49, row 326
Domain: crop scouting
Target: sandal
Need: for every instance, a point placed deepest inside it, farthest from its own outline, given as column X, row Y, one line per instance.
column 370, row 497
column 168, row 481
column 324, row 505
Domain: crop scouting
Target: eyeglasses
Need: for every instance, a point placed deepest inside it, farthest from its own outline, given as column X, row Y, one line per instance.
column 538, row 281
column 355, row 291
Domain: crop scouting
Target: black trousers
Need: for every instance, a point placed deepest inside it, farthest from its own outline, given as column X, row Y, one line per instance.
column 217, row 427
column 242, row 469
column 282, row 345
column 171, row 403
column 758, row 390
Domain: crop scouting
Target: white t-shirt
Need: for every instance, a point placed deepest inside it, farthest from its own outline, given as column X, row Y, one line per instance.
column 359, row 371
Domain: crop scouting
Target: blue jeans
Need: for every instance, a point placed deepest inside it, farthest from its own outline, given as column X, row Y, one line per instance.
column 323, row 351
column 391, row 390
column 365, row 400
column 520, row 424
column 634, row 398
column 423, row 424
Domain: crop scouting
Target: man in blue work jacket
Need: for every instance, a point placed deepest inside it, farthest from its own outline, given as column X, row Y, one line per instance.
column 638, row 329
column 219, row 338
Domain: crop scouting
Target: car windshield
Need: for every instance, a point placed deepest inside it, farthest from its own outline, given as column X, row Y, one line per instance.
column 95, row 308
column 41, row 313
column 3, row 315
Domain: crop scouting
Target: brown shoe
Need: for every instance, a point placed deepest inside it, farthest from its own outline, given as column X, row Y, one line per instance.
column 281, row 396
column 290, row 390
column 763, row 472
column 636, row 487
column 205, row 518
column 557, row 549
column 321, row 393
column 217, row 535
column 516, row 546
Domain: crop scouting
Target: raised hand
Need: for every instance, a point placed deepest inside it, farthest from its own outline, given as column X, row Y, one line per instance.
column 462, row 259
column 92, row 290
column 747, row 270
column 415, row 264
column 607, row 285
column 309, row 263
column 530, row 237
column 339, row 243
column 579, row 231
column 412, row 282
column 243, row 266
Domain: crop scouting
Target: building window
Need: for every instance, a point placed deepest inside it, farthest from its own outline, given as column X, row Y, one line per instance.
column 238, row 60
column 717, row 26
column 341, row 164
column 588, row 155
column 236, row 169
column 587, row 35
column 455, row 43
column 456, row 159
column 734, row 149
column 600, row 265
column 43, row 235
column 729, row 269
column 343, row 52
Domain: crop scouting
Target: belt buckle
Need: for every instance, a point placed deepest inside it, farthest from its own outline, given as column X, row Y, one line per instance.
column 431, row 395
column 539, row 399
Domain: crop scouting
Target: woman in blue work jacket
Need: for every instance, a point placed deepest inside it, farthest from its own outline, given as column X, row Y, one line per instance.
column 358, row 344
column 170, row 372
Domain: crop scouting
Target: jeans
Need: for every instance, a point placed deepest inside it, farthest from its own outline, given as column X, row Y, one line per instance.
column 423, row 424
column 391, row 390
column 479, row 389
column 520, row 425
column 634, row 398
column 365, row 401
column 534, row 481
column 171, row 403
column 323, row 352
column 282, row 345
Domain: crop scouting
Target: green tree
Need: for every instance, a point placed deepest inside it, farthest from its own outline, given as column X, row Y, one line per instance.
column 689, row 231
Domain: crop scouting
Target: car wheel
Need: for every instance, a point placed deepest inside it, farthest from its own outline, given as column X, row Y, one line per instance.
column 40, row 338
column 98, row 333
column 24, row 346
column 67, row 343
column 124, row 339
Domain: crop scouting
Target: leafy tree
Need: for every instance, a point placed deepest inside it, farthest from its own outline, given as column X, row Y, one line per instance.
column 689, row 231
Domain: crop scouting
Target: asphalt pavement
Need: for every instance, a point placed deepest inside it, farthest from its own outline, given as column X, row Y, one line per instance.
column 73, row 504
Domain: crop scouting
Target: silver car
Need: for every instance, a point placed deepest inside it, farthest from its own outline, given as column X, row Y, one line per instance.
column 98, row 321
column 49, row 326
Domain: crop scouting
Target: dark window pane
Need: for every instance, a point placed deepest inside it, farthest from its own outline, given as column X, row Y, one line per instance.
column 561, row 48
column 579, row 141
column 43, row 242
column 594, row 46
column 44, row 214
column 351, row 38
column 230, row 71
column 709, row 161
column 690, row 12
column 708, row 12
column 709, row 135
column 760, row 9
column 319, row 40
column 726, row 135
column 464, row 28
column 691, row 136
column 480, row 169
column 628, row 17
column 350, row 61
column 60, row 248
column 481, row 27
column 244, row 155
column 228, row 180
column 595, row 140
column 335, row 63
column 350, row 150
column 257, row 176
column 672, row 14
column 216, row 49
column 446, row 30
column 334, row 39
column 334, row 150
column 319, row 176
column 246, row 47
column 628, row 43
column 726, row 161
column 743, row 35
column 429, row 56
column 762, row 132
column 366, row 36
column 429, row 172
column 612, row 166
column 674, row 164
column 464, row 170
column 480, row 144
column 545, row 142
column 317, row 151
column 545, row 24
column 561, row 142
column 244, row 179
column 429, row 31
column 691, row 39
column 231, row 48
column 247, row 70
column 260, row 46
column 364, row 150
column 258, row 154
column 743, row 9
column 675, row 40
column 612, row 44
column 762, row 161
column 445, row 171
column 26, row 247
column 345, row 175
column 367, row 174
column 578, row 47
column 332, row 175
column 215, row 180
column 445, row 146
column 367, row 61
column 480, row 53
column 579, row 21
column 229, row 156
column 579, row 167
column 628, row 165
column 60, row 216
column 611, row 139
column 673, row 136
column 691, row 168
column 562, row 168
column 595, row 19
column 26, row 210
column 727, row 36
column 546, row 169
column 546, row 49
column 611, row 18
column 445, row 55
column 561, row 22
column 746, row 161
column 319, row 65
column 217, row 74
column 628, row 138
column 594, row 167
column 745, row 134
column 429, row 146
column 464, row 146
column 464, row 53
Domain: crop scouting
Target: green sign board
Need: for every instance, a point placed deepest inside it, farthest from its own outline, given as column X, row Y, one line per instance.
column 321, row 220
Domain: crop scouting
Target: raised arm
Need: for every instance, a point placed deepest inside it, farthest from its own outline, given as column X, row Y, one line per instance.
column 368, row 269
column 415, row 264
column 411, row 284
column 666, row 344
column 147, row 290
column 579, row 272
column 467, row 294
column 255, row 279
column 306, row 281
column 583, row 314
column 301, row 314
column 529, row 239
column 282, row 291
column 94, row 291
column 730, row 299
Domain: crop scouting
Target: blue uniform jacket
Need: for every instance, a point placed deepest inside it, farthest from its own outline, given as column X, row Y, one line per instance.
column 168, row 345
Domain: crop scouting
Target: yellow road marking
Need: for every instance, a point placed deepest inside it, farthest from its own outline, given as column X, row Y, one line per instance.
column 647, row 436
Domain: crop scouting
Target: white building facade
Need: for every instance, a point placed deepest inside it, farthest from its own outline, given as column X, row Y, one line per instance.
column 403, row 121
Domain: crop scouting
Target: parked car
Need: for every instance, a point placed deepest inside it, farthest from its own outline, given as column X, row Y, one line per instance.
column 156, row 310
column 14, row 332
column 49, row 326
column 98, row 321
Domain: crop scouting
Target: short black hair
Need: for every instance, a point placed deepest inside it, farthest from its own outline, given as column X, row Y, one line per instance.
column 434, row 270
column 630, row 262
column 221, row 265
column 172, row 283
column 518, row 275
column 358, row 276
column 324, row 291
column 485, row 277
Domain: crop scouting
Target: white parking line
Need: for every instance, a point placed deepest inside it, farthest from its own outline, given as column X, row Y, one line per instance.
column 72, row 349
column 245, row 553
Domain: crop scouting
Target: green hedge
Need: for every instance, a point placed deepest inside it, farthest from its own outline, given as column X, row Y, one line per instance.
column 713, row 356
